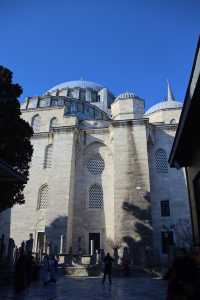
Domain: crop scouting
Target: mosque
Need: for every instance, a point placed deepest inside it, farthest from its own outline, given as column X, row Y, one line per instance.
column 99, row 175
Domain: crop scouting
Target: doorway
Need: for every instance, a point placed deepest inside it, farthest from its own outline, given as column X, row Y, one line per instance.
column 40, row 241
column 94, row 242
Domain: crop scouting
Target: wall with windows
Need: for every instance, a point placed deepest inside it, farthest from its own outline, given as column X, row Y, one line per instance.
column 43, row 118
column 48, row 191
column 93, row 206
column 169, row 196
column 165, row 116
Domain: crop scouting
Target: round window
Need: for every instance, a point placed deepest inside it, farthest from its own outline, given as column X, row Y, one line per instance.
column 96, row 165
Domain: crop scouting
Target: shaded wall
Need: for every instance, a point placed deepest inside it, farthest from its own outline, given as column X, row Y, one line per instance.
column 193, row 172
column 131, row 185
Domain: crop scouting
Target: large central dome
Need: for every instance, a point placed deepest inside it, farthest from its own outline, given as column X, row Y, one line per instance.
column 76, row 84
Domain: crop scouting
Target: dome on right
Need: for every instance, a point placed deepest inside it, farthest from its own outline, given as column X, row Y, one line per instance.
column 168, row 103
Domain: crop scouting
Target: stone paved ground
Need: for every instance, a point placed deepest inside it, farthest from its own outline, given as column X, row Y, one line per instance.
column 142, row 288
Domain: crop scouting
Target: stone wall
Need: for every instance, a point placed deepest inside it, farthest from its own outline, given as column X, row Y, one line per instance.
column 164, row 116
column 193, row 172
column 131, row 186
column 28, row 218
column 92, row 143
column 170, row 185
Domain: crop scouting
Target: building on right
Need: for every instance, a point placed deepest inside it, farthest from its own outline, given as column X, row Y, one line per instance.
column 186, row 147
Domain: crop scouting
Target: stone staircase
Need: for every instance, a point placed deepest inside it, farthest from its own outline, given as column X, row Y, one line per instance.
column 97, row 270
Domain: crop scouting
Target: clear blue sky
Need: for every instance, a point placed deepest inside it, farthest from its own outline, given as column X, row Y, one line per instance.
column 126, row 45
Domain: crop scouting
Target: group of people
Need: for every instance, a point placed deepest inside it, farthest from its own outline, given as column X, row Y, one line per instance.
column 26, row 270
column 184, row 276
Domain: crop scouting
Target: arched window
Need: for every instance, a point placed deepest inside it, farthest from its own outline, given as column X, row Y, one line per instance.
column 48, row 156
column 43, row 197
column 53, row 123
column 161, row 161
column 96, row 164
column 96, row 196
column 35, row 123
column 173, row 121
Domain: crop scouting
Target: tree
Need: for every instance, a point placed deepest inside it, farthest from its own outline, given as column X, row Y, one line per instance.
column 15, row 134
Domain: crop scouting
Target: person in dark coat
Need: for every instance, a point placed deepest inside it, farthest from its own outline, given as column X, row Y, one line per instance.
column 183, row 278
column 20, row 273
column 29, row 264
column 108, row 260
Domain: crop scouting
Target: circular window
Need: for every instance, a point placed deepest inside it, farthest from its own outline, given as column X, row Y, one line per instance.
column 96, row 165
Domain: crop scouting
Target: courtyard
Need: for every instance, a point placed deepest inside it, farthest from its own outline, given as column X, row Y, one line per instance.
column 139, row 288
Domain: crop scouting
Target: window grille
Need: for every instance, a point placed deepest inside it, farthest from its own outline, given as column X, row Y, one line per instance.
column 96, row 165
column 82, row 94
column 161, row 161
column 48, row 156
column 36, row 123
column 165, row 208
column 96, row 196
column 53, row 123
column 45, row 102
column 43, row 197
column 94, row 96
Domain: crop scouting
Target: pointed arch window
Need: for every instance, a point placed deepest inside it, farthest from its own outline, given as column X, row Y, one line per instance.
column 53, row 123
column 173, row 121
column 95, row 196
column 161, row 162
column 48, row 156
column 43, row 197
column 35, row 123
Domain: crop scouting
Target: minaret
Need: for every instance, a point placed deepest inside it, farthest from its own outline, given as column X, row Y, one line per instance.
column 170, row 96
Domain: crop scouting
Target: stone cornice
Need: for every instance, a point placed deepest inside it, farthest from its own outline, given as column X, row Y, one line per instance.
column 121, row 123
column 41, row 109
column 172, row 127
column 101, row 130
column 55, row 129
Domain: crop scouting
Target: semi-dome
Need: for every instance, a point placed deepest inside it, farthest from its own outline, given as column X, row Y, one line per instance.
column 76, row 84
column 164, row 105
column 126, row 95
column 169, row 103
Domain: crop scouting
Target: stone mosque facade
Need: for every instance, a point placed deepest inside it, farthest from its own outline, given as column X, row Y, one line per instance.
column 99, row 175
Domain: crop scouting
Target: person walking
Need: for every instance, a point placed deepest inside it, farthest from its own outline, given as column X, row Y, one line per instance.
column 45, row 270
column 108, row 260
column 53, row 266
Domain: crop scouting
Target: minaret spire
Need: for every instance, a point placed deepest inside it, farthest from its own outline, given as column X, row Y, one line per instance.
column 170, row 95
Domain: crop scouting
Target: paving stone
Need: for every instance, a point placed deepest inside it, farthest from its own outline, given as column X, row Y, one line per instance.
column 92, row 289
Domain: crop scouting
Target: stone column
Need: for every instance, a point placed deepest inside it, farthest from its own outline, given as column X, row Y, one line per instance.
column 44, row 244
column 61, row 244
column 91, row 247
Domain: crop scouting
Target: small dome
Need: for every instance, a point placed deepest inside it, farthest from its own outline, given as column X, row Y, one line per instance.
column 126, row 95
column 169, row 103
column 164, row 105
